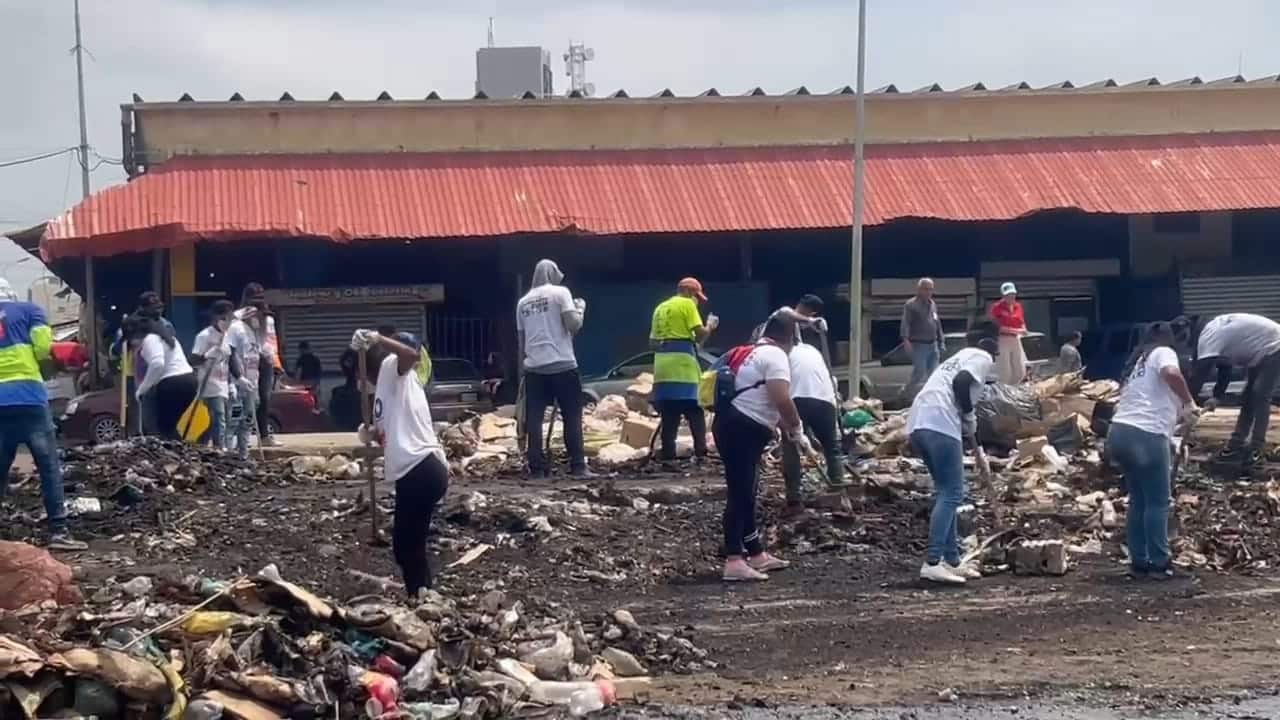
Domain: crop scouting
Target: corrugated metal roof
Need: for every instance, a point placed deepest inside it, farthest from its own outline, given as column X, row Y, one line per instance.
column 347, row 197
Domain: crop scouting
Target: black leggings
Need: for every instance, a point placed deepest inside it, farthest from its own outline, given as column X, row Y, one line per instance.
column 417, row 494
column 741, row 442
column 672, row 411
column 170, row 399
column 266, row 383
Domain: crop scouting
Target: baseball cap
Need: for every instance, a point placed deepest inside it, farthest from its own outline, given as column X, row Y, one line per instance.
column 1008, row 289
column 693, row 285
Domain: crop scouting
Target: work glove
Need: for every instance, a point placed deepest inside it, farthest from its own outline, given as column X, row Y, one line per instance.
column 1190, row 415
column 713, row 321
column 364, row 339
column 798, row 438
column 1210, row 405
column 820, row 324
column 366, row 434
column 580, row 305
column 969, row 425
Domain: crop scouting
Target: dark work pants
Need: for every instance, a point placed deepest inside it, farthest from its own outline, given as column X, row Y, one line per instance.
column 170, row 398
column 1255, row 404
column 417, row 494
column 671, row 412
column 819, row 418
column 565, row 390
column 266, row 383
column 741, row 441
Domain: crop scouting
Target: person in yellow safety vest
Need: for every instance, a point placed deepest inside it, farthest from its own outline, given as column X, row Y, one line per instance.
column 25, row 341
column 676, row 332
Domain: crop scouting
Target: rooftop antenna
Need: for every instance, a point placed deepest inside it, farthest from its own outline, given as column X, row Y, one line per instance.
column 575, row 66
column 490, row 31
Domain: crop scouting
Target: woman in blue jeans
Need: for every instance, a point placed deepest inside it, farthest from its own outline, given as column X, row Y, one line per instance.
column 941, row 420
column 1154, row 396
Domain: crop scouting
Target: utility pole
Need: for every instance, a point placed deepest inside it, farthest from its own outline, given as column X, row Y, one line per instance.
column 90, row 287
column 859, row 201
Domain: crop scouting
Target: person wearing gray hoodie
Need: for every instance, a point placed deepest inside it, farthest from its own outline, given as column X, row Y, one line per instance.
column 547, row 318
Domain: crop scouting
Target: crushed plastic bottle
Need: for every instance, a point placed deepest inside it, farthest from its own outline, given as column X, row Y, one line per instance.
column 203, row 710
column 423, row 672
column 432, row 711
column 591, row 699
column 587, row 695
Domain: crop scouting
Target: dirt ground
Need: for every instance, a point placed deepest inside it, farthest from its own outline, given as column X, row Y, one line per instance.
column 848, row 625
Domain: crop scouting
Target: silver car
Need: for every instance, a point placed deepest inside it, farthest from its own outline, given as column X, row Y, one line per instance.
column 624, row 374
column 889, row 377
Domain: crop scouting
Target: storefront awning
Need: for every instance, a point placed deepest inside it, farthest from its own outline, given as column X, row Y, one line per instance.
column 476, row 194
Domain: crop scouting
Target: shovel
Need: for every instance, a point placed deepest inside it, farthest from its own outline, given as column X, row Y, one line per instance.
column 195, row 420
column 366, row 414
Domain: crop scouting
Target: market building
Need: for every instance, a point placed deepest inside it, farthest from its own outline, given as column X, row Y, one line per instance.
column 1104, row 203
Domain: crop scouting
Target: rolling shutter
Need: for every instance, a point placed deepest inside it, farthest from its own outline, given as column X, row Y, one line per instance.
column 1043, row 287
column 328, row 327
column 950, row 307
column 1214, row 295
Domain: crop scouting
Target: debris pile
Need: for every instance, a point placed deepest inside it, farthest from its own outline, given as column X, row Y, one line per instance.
column 262, row 647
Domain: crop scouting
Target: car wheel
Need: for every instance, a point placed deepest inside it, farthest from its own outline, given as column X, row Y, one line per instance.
column 105, row 429
column 273, row 427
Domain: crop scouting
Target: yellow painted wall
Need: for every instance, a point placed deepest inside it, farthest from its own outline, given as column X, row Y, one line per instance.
column 1153, row 253
column 165, row 129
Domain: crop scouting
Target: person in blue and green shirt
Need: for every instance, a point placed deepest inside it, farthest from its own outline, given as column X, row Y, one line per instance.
column 675, row 335
column 25, row 342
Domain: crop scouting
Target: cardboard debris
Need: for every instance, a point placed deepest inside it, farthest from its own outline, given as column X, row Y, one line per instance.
column 638, row 431
column 17, row 659
column 138, row 679
column 493, row 428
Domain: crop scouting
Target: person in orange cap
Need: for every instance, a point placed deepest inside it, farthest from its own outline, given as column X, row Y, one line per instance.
column 675, row 334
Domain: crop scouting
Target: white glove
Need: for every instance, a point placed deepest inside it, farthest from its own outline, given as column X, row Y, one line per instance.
column 713, row 321
column 820, row 324
column 1190, row 415
column 580, row 305
column 366, row 434
column 798, row 438
column 1210, row 405
column 969, row 425
column 364, row 339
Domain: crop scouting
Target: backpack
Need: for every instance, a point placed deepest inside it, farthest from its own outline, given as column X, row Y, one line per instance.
column 716, row 386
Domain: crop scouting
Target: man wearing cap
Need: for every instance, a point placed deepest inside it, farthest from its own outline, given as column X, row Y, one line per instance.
column 921, row 332
column 1011, row 364
column 675, row 334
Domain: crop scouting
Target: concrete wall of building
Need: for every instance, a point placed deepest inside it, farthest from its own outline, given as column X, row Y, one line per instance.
column 165, row 129
column 1154, row 252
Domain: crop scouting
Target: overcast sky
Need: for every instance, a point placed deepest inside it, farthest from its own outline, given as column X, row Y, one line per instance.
column 212, row 48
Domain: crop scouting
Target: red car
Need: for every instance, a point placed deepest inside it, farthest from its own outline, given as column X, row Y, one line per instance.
column 95, row 417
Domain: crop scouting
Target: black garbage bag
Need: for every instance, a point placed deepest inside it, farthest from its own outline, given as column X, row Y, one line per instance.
column 1001, row 410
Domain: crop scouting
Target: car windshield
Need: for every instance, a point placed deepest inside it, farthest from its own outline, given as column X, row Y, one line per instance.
column 453, row 370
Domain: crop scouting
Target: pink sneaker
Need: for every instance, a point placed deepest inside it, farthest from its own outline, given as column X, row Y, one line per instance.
column 764, row 562
column 741, row 571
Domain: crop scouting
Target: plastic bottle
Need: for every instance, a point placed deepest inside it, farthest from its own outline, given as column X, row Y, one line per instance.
column 203, row 710
column 562, row 693
column 588, row 700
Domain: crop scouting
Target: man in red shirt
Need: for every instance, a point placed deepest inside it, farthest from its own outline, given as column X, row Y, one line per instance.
column 1011, row 363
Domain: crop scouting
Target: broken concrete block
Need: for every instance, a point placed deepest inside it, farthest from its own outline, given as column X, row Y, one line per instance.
column 1039, row 557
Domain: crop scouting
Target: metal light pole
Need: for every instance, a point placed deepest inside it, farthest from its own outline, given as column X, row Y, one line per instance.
column 859, row 201
column 90, row 287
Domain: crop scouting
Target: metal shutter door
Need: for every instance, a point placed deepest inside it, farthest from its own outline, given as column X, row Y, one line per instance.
column 950, row 307
column 1215, row 295
column 1049, row 287
column 328, row 327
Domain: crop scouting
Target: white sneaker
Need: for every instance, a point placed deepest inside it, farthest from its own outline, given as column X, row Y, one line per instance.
column 940, row 573
column 966, row 570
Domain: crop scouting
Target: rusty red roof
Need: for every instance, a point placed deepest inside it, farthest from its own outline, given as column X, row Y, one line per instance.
column 465, row 194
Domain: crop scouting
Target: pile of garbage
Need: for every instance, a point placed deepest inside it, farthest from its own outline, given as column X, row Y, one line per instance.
column 262, row 647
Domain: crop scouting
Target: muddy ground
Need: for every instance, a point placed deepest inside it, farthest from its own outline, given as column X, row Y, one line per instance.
column 848, row 625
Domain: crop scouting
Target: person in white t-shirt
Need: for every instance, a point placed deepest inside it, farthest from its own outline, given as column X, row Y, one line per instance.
column 169, row 384
column 211, row 355
column 814, row 393
column 941, row 421
column 1251, row 342
column 1153, row 397
column 246, row 349
column 547, row 318
column 742, row 429
column 412, row 455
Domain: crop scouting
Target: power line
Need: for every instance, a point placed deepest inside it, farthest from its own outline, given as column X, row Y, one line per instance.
column 35, row 158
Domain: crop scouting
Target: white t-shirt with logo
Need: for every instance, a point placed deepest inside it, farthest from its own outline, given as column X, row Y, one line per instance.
column 216, row 385
column 243, row 339
column 402, row 415
column 538, row 316
column 809, row 375
column 935, row 408
column 1146, row 400
column 766, row 362
column 1240, row 338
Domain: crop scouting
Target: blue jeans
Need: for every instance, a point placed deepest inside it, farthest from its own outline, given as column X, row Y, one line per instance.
column 217, row 421
column 924, row 360
column 32, row 425
column 1145, row 457
column 247, row 422
column 944, row 456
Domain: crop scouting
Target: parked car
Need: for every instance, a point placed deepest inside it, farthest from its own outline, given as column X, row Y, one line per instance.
column 624, row 374
column 95, row 417
column 888, row 378
column 456, row 389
